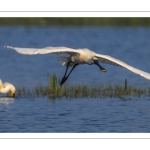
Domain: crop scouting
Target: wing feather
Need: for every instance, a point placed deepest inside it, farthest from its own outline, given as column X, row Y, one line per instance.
column 45, row 50
column 58, row 50
column 113, row 61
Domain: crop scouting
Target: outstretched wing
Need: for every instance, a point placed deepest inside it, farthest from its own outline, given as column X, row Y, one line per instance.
column 45, row 50
column 113, row 61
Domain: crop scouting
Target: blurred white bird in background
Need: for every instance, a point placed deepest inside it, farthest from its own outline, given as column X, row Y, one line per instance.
column 78, row 56
column 7, row 87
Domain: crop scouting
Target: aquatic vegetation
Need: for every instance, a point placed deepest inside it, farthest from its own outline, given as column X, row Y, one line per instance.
column 53, row 90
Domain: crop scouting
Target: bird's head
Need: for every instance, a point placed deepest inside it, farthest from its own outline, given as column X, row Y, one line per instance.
column 90, row 61
column 12, row 93
column 94, row 58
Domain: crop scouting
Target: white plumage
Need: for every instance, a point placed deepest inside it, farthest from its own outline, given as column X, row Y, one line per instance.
column 7, row 87
column 79, row 56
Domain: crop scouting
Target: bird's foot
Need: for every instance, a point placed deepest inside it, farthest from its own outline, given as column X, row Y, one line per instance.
column 63, row 80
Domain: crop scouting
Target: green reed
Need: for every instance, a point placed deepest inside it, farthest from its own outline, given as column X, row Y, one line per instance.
column 54, row 90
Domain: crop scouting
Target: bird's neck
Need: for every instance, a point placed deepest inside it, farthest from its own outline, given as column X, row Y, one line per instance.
column 3, row 89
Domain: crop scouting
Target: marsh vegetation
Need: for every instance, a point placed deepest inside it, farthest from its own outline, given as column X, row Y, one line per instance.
column 54, row 90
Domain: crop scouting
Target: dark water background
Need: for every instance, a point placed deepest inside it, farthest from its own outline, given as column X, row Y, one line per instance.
column 128, row 44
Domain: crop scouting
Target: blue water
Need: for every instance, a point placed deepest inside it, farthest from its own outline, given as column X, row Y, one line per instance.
column 129, row 44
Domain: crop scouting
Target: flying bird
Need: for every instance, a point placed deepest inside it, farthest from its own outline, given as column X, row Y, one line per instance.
column 78, row 56
column 7, row 87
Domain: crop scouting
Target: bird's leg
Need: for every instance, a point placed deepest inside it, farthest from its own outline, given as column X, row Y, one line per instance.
column 101, row 68
column 66, row 77
column 71, row 70
column 66, row 69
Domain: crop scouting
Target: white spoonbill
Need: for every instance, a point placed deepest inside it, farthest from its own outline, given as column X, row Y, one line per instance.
column 7, row 87
column 78, row 56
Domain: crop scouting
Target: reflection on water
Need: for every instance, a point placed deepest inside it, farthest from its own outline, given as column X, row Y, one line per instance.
column 6, row 100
